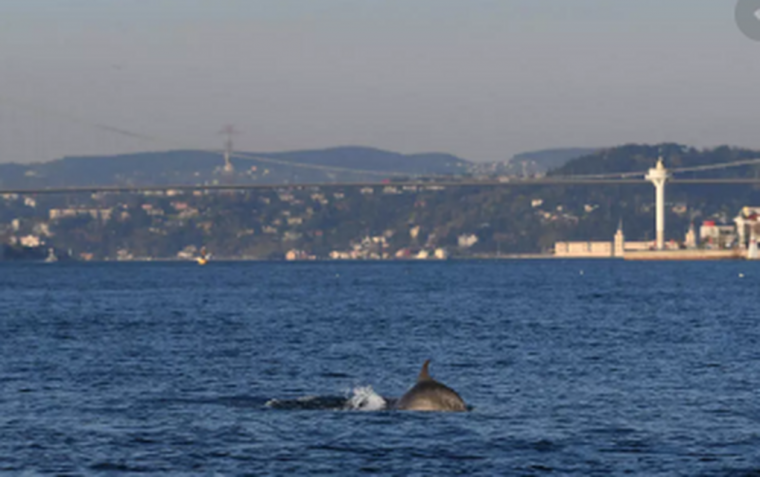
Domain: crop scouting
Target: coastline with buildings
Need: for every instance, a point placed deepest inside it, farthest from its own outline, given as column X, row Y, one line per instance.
column 716, row 242
column 403, row 221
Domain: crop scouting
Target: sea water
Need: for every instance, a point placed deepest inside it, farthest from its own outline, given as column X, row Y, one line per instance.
column 569, row 367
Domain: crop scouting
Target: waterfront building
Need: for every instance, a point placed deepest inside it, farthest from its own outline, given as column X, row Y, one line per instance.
column 715, row 242
column 584, row 249
column 691, row 238
column 441, row 254
column 30, row 241
column 619, row 242
column 713, row 235
column 747, row 226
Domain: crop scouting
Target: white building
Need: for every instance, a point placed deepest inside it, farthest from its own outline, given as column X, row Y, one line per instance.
column 102, row 214
column 467, row 241
column 584, row 249
column 713, row 235
column 748, row 226
column 617, row 248
column 30, row 241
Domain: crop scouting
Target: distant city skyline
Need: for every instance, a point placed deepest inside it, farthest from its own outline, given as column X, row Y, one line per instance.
column 481, row 79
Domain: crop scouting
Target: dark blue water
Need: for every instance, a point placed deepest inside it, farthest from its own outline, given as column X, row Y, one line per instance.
column 586, row 368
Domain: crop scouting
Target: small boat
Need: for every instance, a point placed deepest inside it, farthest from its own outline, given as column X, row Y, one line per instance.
column 51, row 258
column 203, row 257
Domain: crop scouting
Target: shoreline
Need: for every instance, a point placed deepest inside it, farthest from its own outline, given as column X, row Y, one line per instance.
column 673, row 255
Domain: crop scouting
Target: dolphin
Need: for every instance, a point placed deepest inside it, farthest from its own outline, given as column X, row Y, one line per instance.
column 430, row 395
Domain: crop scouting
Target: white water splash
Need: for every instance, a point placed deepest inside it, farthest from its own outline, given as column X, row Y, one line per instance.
column 358, row 399
column 365, row 399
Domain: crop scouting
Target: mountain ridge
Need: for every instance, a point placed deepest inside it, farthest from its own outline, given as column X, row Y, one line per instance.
column 191, row 167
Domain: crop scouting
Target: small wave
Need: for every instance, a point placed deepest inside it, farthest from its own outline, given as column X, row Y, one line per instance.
column 117, row 467
column 361, row 399
column 308, row 403
column 366, row 399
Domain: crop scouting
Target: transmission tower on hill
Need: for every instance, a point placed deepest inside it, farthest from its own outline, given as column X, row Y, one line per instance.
column 228, row 131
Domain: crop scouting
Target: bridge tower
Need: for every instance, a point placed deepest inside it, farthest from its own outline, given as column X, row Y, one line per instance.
column 228, row 131
column 659, row 176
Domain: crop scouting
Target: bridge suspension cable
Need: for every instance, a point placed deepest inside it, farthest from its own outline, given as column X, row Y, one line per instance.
column 677, row 170
column 711, row 167
column 50, row 112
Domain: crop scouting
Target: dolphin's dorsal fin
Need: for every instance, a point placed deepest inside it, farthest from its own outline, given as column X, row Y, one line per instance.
column 424, row 374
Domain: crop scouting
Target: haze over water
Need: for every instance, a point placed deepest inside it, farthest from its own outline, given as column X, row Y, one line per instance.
column 481, row 79
column 581, row 368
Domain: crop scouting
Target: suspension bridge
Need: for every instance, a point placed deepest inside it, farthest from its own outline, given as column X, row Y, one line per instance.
column 385, row 178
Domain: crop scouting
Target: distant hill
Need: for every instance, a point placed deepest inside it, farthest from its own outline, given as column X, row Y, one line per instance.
column 342, row 164
column 639, row 158
column 529, row 164
column 543, row 161
column 363, row 158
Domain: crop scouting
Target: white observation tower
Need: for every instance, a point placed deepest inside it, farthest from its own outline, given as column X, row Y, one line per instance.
column 659, row 176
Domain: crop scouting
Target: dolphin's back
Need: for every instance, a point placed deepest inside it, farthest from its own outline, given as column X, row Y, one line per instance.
column 430, row 395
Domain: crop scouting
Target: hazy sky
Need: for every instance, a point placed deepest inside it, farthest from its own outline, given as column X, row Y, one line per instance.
column 483, row 79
